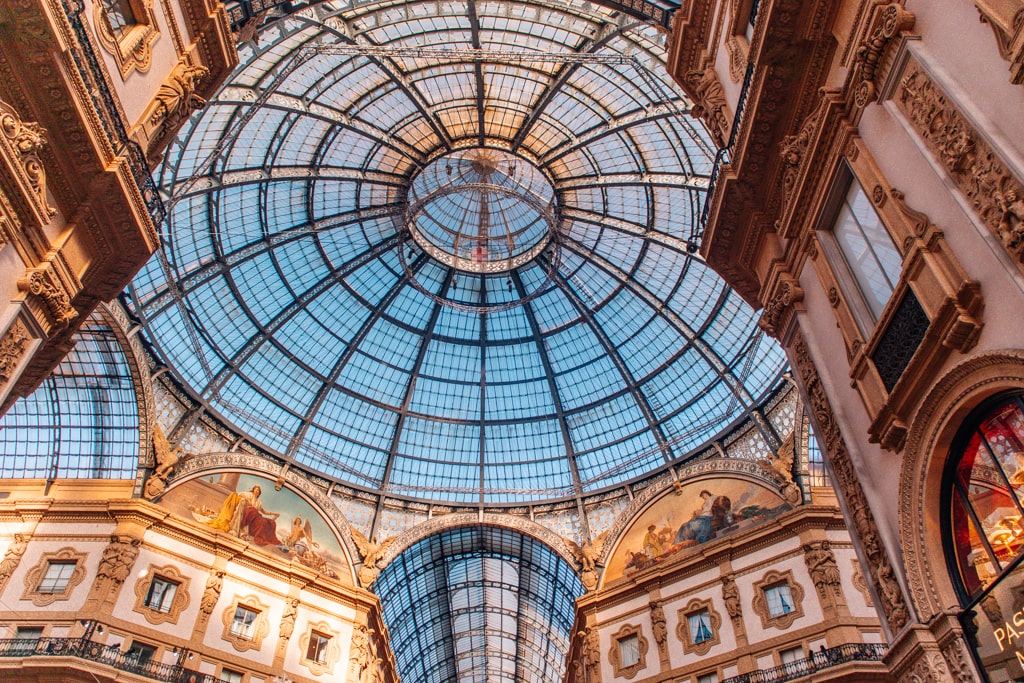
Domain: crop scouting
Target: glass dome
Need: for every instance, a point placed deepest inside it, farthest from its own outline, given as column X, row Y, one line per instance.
column 440, row 250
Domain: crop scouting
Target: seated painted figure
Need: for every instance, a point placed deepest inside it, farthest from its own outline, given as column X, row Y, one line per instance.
column 712, row 516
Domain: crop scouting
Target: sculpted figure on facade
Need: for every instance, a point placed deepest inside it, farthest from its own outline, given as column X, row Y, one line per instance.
column 659, row 627
column 821, row 563
column 166, row 458
column 117, row 561
column 291, row 609
column 710, row 103
column 361, row 652
column 12, row 558
column 372, row 554
column 177, row 97
column 587, row 555
column 211, row 595
column 731, row 595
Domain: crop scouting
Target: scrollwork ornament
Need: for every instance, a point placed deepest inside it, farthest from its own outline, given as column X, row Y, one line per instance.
column 55, row 299
column 26, row 140
column 12, row 348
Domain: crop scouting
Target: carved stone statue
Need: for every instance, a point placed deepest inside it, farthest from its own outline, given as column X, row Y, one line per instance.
column 587, row 555
column 166, row 458
column 710, row 103
column 821, row 563
column 658, row 626
column 731, row 595
column 291, row 609
column 117, row 560
column 372, row 554
column 211, row 595
column 177, row 98
column 361, row 651
column 780, row 468
column 12, row 558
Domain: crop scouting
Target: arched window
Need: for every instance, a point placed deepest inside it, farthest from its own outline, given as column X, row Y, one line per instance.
column 986, row 494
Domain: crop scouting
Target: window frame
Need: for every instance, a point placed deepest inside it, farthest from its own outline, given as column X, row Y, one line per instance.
column 34, row 577
column 132, row 46
column 252, row 639
column 773, row 579
column 331, row 651
column 687, row 637
column 179, row 602
column 615, row 655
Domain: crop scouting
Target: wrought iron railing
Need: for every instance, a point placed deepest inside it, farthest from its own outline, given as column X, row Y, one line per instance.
column 107, row 110
column 724, row 155
column 110, row 655
column 823, row 659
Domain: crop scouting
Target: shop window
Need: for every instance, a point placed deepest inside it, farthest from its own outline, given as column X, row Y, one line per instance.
column 629, row 651
column 986, row 493
column 699, row 626
column 983, row 499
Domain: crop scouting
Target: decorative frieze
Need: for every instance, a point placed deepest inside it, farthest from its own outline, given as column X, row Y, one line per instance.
column 12, row 348
column 883, row 577
column 21, row 143
column 971, row 162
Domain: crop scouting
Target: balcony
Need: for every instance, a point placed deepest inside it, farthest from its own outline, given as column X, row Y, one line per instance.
column 819, row 661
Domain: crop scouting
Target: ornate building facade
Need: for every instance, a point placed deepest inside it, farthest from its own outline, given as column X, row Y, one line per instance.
column 429, row 380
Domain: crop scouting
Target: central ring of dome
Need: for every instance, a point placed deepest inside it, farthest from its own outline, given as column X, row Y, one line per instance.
column 482, row 210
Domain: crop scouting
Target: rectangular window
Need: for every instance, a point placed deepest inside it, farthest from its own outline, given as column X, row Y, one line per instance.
column 119, row 14
column 779, row 599
column 629, row 651
column 29, row 633
column 317, row 650
column 229, row 676
column 867, row 248
column 244, row 622
column 57, row 577
column 708, row 678
column 792, row 655
column 161, row 594
column 700, row 626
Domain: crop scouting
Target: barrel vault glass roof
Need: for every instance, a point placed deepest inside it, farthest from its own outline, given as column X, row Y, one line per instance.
column 438, row 249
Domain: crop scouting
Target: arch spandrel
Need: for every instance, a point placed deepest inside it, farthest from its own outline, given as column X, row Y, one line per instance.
column 741, row 497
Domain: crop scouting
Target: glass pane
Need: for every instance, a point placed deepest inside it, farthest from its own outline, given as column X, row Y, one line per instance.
column 994, row 506
column 869, row 250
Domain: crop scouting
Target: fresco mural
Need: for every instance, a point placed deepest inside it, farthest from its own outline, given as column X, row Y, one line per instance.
column 691, row 514
column 277, row 522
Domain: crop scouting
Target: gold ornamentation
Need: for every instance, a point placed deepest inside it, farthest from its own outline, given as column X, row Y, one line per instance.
column 12, row 348
column 975, row 168
column 587, row 556
column 132, row 47
column 709, row 103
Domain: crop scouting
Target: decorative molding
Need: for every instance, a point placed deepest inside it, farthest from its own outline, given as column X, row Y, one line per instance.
column 133, row 48
column 12, row 348
column 929, row 668
column 35, row 575
column 615, row 652
column 1007, row 22
column 860, row 583
column 876, row 49
column 260, row 627
column 784, row 296
column 683, row 629
column 957, row 659
column 971, row 162
column 43, row 284
column 848, row 486
column 21, row 143
column 760, row 602
column 178, row 603
column 709, row 102
column 938, row 418
column 332, row 656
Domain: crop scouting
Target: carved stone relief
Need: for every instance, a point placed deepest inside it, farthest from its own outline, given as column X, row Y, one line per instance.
column 864, row 526
column 709, row 103
column 972, row 164
column 22, row 143
column 12, row 348
column 821, row 563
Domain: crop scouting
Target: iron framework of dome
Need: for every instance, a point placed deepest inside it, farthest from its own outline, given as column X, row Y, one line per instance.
column 439, row 250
